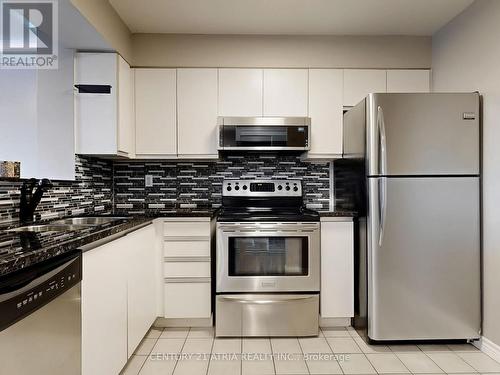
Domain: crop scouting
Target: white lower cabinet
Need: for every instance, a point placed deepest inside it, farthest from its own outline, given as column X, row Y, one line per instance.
column 118, row 300
column 193, row 247
column 187, row 230
column 337, row 268
column 187, row 268
column 104, row 311
column 141, row 285
column 189, row 299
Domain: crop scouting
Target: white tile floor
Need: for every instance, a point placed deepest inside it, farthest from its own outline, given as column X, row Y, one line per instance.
column 339, row 351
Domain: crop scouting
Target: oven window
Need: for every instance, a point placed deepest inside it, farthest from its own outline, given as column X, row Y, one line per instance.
column 268, row 256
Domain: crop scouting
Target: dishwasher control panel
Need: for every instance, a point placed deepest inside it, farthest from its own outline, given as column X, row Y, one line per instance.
column 25, row 294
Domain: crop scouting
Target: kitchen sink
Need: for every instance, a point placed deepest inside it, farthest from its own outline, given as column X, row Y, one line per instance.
column 89, row 221
column 47, row 228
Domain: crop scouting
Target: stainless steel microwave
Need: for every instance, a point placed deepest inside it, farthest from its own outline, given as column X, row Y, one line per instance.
column 264, row 133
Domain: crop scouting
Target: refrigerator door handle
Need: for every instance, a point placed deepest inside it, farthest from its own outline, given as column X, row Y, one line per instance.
column 382, row 191
column 382, row 140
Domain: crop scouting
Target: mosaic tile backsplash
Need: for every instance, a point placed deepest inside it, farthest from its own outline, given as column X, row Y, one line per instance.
column 91, row 192
column 199, row 184
column 105, row 187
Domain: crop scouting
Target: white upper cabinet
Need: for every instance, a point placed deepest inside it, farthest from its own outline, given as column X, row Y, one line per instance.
column 240, row 92
column 197, row 113
column 325, row 110
column 285, row 92
column 360, row 82
column 104, row 121
column 126, row 121
column 408, row 80
column 155, row 112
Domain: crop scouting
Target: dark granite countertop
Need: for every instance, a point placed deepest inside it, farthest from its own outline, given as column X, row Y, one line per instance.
column 20, row 250
column 338, row 213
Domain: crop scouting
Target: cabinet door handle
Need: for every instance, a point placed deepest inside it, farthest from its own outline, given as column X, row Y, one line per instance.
column 93, row 89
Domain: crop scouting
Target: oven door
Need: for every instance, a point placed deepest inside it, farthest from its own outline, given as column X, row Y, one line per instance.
column 268, row 257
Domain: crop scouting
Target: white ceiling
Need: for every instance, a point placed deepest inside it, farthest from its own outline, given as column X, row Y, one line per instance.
column 299, row 17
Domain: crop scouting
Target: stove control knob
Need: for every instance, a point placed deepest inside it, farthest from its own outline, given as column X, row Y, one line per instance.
column 287, row 188
column 229, row 188
column 245, row 187
column 295, row 188
column 280, row 187
column 237, row 187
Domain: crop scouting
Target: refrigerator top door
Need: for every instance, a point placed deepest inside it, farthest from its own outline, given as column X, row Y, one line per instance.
column 422, row 134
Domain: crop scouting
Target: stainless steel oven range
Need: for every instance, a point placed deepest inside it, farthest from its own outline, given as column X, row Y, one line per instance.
column 268, row 260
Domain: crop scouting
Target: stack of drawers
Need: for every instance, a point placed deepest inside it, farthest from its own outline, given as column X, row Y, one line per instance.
column 186, row 270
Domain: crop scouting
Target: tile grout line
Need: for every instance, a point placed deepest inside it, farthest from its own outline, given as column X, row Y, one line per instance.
column 140, row 369
column 399, row 359
column 272, row 354
column 366, row 357
column 241, row 356
column 434, row 361
column 327, row 343
column 302, row 350
column 182, row 348
column 210, row 356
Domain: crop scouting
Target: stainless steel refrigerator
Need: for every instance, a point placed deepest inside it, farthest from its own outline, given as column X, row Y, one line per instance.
column 419, row 262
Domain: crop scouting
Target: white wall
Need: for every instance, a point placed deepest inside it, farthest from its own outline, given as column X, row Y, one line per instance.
column 18, row 126
column 276, row 51
column 466, row 57
column 101, row 15
column 36, row 124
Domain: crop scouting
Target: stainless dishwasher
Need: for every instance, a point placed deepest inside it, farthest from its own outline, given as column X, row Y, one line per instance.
column 40, row 321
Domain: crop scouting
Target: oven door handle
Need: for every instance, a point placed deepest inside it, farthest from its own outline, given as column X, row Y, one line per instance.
column 266, row 301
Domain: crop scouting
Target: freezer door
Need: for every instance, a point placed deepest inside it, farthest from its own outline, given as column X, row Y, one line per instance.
column 423, row 134
column 423, row 253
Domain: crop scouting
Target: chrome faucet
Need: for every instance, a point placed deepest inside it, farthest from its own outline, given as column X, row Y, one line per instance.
column 30, row 200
